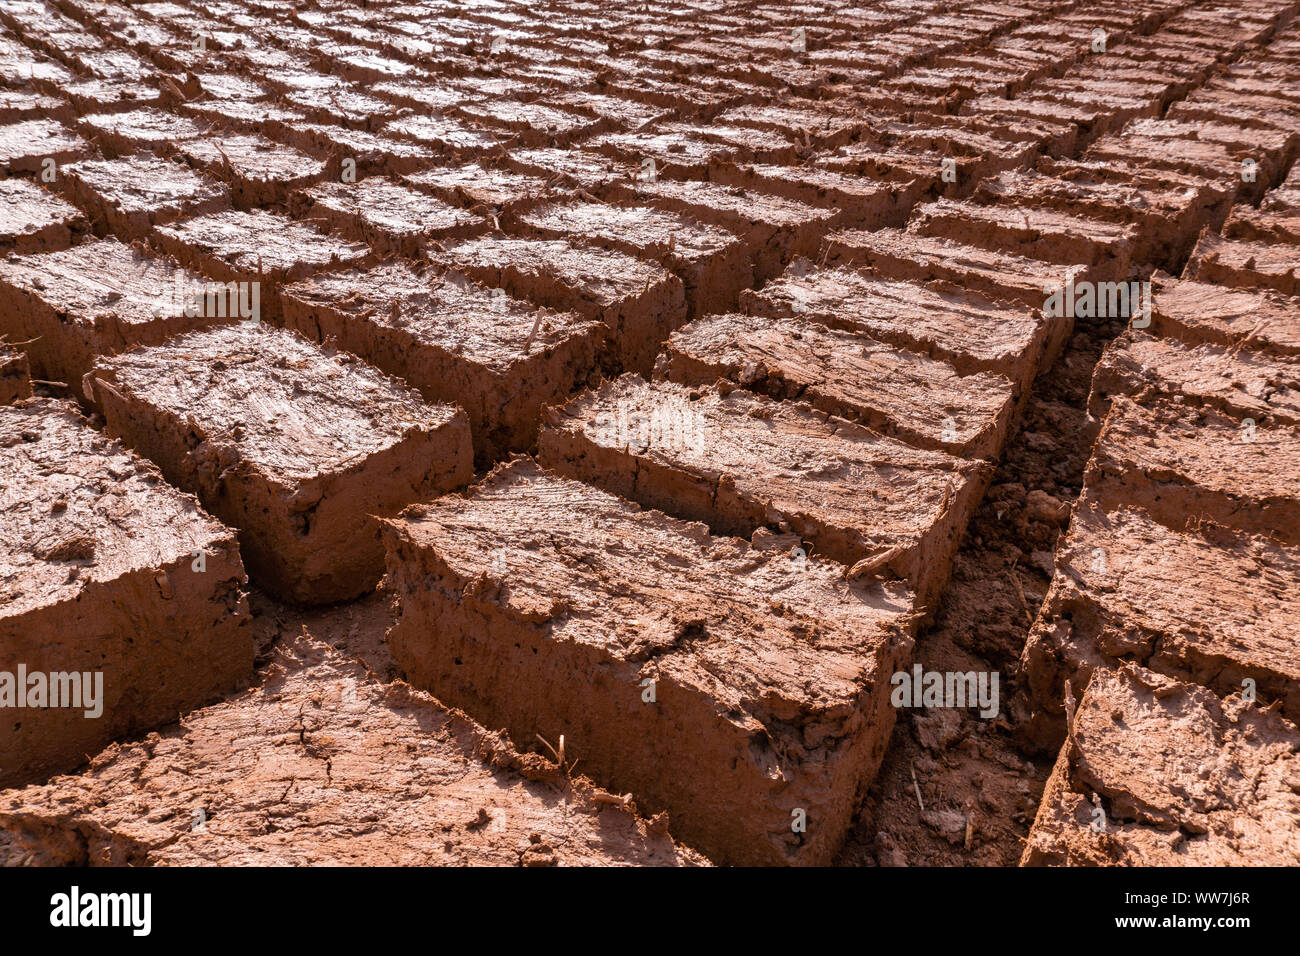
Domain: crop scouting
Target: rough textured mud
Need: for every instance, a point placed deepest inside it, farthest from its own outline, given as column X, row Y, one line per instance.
column 324, row 764
column 32, row 220
column 104, row 570
column 739, row 462
column 1180, row 777
column 297, row 447
column 93, row 299
column 498, row 358
column 639, row 303
column 834, row 245
column 909, row 395
column 127, row 197
column 501, row 598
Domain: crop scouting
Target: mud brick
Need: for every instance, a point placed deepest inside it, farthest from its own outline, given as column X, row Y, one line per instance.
column 1081, row 124
column 260, row 172
column 774, row 229
column 712, row 263
column 616, row 111
column 772, row 670
column 32, row 220
column 1198, row 313
column 1259, row 225
column 1105, row 249
column 639, row 303
column 674, row 154
column 1188, row 465
column 474, row 185
column 19, row 105
column 574, row 168
column 535, row 124
column 392, row 218
column 500, row 359
column 445, row 135
column 827, row 126
column 1248, row 112
column 1277, row 147
column 1244, row 382
column 1245, row 265
column 344, row 106
column 92, row 299
column 1188, row 780
column 127, row 197
column 375, row 155
column 907, row 256
column 740, row 462
column 24, row 147
column 109, row 571
column 861, row 202
column 946, row 135
column 296, row 446
column 15, row 380
column 327, row 744
column 971, row 332
column 904, row 394
column 121, row 134
column 1208, row 606
column 1211, row 161
column 256, row 246
column 1166, row 215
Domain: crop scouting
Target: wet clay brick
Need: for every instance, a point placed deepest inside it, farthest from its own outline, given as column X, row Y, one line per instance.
column 712, row 263
column 1185, row 779
column 473, row 185
column 455, row 341
column 327, row 745
column 260, row 172
column 904, row 394
column 127, row 197
column 121, row 134
column 1209, row 606
column 971, row 332
column 740, row 462
column 26, row 147
column 1243, row 382
column 393, row 219
column 32, row 220
column 1186, row 466
column 105, row 569
column 93, row 299
column 1245, row 265
column 1258, row 225
column 1104, row 248
column 1198, row 313
column 257, row 246
column 751, row 688
column 862, row 203
column 296, row 446
column 640, row 303
column 774, row 229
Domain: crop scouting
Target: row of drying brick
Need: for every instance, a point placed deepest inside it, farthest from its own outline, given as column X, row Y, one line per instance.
column 1168, row 619
column 123, row 607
